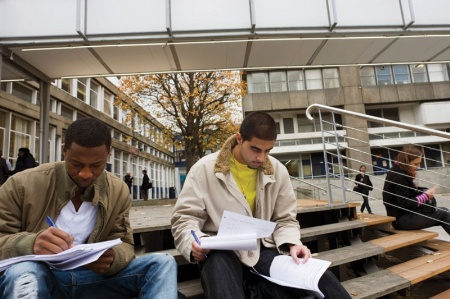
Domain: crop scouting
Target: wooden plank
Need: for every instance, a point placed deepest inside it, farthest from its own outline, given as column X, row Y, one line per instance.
column 403, row 239
column 375, row 285
column 349, row 254
column 173, row 252
column 330, row 228
column 443, row 295
column 372, row 219
column 424, row 267
column 438, row 245
column 190, row 289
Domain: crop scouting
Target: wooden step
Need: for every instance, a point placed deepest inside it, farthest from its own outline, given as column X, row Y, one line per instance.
column 443, row 295
column 365, row 220
column 374, row 247
column 398, row 277
column 191, row 289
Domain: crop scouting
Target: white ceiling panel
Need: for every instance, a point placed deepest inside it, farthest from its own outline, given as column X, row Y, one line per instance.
column 211, row 56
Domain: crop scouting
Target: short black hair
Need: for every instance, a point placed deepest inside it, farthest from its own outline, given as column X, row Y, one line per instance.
column 260, row 125
column 87, row 132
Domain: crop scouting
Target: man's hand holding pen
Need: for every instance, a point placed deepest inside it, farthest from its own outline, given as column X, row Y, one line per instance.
column 52, row 241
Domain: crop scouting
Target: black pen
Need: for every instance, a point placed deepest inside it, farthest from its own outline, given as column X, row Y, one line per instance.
column 50, row 221
column 198, row 241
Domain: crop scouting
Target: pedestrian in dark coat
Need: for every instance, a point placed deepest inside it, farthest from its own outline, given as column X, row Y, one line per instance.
column 365, row 185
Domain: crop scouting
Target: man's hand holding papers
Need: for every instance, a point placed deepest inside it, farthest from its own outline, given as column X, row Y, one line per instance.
column 238, row 232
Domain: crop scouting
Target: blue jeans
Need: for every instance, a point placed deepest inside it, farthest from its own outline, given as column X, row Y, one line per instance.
column 223, row 276
column 149, row 276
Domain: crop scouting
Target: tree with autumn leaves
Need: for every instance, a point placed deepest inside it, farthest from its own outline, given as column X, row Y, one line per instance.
column 203, row 107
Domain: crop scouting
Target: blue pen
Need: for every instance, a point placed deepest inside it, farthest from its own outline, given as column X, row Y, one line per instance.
column 50, row 221
column 198, row 241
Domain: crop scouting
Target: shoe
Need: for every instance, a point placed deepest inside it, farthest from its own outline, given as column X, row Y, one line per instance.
column 370, row 213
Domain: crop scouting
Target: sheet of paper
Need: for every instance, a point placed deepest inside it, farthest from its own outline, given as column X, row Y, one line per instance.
column 236, row 224
column 235, row 242
column 284, row 271
column 74, row 257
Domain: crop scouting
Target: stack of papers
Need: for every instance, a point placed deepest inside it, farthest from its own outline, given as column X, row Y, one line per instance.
column 238, row 232
column 74, row 257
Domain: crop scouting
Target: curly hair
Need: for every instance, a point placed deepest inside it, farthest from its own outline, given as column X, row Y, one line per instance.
column 87, row 132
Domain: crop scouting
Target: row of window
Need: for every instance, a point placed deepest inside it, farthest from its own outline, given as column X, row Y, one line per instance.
column 97, row 97
column 293, row 80
column 403, row 74
column 310, row 79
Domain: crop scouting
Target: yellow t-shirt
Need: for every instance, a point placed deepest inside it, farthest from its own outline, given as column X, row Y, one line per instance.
column 245, row 178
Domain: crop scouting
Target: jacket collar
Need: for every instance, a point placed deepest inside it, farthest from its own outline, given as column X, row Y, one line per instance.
column 66, row 187
column 222, row 164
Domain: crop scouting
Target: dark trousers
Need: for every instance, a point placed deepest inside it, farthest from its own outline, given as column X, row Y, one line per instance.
column 412, row 221
column 224, row 276
column 366, row 203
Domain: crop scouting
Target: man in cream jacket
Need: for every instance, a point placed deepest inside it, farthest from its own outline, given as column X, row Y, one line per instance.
column 244, row 179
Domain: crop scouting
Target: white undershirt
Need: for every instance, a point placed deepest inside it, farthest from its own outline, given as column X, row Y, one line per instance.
column 79, row 224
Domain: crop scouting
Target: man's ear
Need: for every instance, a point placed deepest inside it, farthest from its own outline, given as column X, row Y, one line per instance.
column 239, row 138
column 64, row 150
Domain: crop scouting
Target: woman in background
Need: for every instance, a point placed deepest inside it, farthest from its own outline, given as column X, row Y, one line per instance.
column 403, row 199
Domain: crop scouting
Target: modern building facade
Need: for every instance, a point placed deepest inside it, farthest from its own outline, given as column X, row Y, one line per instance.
column 413, row 94
column 138, row 141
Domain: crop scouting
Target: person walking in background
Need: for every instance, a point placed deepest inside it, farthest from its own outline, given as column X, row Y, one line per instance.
column 145, row 185
column 243, row 178
column 88, row 205
column 24, row 161
column 364, row 186
column 129, row 180
column 412, row 207
column 4, row 170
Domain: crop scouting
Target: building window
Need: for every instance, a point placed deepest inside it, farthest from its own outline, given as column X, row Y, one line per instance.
column 67, row 112
column 419, row 73
column 367, row 74
column 384, row 76
column 277, row 81
column 81, row 89
column 20, row 136
column 304, row 124
column 107, row 98
column 313, row 79
column 432, row 154
column 296, row 80
column 401, row 74
column 65, row 85
column 437, row 72
column 288, row 125
column 94, row 94
column 260, row 82
column 22, row 92
column 3, row 86
column 387, row 113
column 330, row 78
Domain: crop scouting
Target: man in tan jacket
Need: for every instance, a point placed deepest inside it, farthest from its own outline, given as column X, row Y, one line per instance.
column 244, row 179
column 88, row 205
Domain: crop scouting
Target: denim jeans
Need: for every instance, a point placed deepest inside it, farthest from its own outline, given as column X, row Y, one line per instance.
column 223, row 276
column 412, row 221
column 149, row 276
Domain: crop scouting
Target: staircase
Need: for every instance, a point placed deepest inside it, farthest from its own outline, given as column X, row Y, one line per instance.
column 356, row 245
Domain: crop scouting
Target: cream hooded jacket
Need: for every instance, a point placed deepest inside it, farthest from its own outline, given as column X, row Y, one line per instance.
column 210, row 189
column 29, row 196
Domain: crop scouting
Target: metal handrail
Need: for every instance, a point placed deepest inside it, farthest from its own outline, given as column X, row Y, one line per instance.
column 375, row 119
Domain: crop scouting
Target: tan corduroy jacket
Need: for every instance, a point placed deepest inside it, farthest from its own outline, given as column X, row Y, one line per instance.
column 210, row 189
column 29, row 196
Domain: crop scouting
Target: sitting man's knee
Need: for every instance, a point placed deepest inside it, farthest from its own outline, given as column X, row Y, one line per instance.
column 25, row 286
